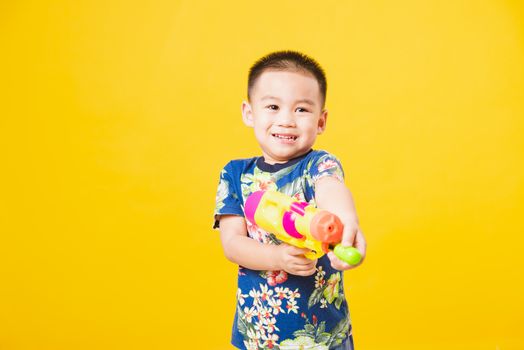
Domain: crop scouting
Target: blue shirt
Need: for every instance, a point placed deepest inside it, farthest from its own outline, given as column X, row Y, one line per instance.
column 277, row 310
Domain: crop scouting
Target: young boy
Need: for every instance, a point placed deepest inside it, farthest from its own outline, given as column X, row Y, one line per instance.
column 284, row 300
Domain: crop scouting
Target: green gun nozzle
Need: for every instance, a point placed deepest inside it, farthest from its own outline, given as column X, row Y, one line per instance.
column 350, row 255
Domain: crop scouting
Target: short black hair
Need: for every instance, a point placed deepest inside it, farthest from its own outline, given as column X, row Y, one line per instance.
column 287, row 60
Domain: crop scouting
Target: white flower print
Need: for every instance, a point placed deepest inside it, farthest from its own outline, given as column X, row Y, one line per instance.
column 259, row 326
column 260, row 323
column 249, row 313
column 292, row 306
column 253, row 335
column 294, row 294
column 270, row 324
column 269, row 340
column 241, row 297
column 255, row 294
column 281, row 292
column 222, row 192
column 266, row 312
column 257, row 233
column 251, row 345
column 276, row 304
column 265, row 294
column 319, row 278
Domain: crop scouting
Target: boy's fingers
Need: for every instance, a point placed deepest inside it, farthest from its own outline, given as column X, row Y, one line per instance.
column 305, row 262
column 348, row 236
column 305, row 272
column 341, row 266
column 297, row 251
column 360, row 243
column 338, row 264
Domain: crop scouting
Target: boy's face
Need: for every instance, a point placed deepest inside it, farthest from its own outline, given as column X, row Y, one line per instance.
column 286, row 113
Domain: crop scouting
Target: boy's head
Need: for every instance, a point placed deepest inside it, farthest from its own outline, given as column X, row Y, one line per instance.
column 286, row 96
column 291, row 61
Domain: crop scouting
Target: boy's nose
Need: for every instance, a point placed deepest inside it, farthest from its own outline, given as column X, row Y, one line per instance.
column 286, row 120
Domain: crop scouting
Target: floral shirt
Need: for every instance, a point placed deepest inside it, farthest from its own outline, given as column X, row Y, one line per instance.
column 277, row 310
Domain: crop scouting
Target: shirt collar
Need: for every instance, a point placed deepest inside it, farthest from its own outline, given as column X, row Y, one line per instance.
column 271, row 168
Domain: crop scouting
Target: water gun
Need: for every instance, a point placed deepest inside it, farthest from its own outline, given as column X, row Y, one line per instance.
column 299, row 224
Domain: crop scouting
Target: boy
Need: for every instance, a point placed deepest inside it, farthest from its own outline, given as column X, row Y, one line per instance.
column 284, row 300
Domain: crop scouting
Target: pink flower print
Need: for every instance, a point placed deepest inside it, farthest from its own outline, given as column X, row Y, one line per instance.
column 271, row 280
column 276, row 277
column 299, row 197
column 265, row 185
column 327, row 164
column 257, row 233
column 281, row 277
column 263, row 182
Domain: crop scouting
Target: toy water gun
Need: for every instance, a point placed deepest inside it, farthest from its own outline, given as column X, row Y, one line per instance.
column 299, row 224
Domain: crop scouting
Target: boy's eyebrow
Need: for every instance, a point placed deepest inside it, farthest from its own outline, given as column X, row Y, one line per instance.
column 307, row 101
column 304, row 100
column 269, row 97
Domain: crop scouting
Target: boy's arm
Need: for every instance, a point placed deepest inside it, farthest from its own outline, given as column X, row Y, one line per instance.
column 332, row 195
column 254, row 255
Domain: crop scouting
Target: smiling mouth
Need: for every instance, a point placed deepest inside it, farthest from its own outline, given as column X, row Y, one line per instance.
column 285, row 137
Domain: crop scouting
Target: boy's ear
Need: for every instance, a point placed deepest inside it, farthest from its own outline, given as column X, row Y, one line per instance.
column 247, row 114
column 322, row 121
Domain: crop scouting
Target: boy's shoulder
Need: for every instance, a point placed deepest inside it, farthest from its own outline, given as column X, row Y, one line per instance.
column 322, row 163
column 316, row 156
column 240, row 165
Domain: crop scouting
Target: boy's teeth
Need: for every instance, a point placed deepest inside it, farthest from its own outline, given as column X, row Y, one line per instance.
column 285, row 137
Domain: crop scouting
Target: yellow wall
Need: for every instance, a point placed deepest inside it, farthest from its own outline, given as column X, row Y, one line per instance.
column 117, row 116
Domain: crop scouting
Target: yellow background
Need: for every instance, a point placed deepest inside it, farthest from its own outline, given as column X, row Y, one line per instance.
column 117, row 116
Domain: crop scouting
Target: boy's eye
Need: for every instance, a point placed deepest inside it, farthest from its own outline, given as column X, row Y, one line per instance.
column 273, row 107
column 302, row 110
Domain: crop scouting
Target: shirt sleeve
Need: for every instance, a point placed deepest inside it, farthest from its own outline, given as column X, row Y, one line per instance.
column 325, row 164
column 227, row 201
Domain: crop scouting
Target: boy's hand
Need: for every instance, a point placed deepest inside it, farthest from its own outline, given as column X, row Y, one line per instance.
column 351, row 237
column 292, row 260
column 332, row 195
